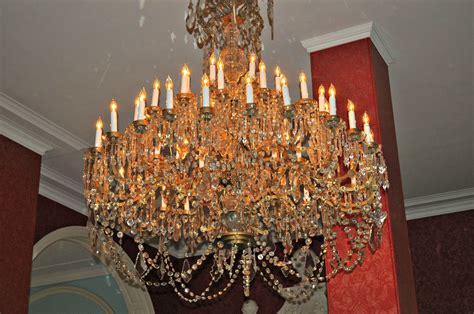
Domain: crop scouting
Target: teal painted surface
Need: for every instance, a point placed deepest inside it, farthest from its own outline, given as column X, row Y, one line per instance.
column 104, row 287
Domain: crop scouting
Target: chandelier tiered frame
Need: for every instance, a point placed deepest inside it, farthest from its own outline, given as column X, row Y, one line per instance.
column 232, row 182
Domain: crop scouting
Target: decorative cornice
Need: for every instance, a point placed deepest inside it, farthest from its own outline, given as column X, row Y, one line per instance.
column 56, row 277
column 37, row 120
column 347, row 35
column 62, row 190
column 24, row 137
column 439, row 204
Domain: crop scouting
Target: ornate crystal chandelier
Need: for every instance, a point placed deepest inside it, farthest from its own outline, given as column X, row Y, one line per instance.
column 240, row 176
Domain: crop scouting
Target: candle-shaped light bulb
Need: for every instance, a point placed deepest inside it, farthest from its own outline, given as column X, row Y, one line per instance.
column 156, row 93
column 326, row 105
column 365, row 118
column 322, row 98
column 185, row 79
column 113, row 116
column 332, row 100
column 205, row 90
column 169, row 93
column 186, row 204
column 263, row 74
column 220, row 74
column 98, row 132
column 249, row 90
column 141, row 105
column 351, row 114
column 253, row 59
column 277, row 78
column 303, row 86
column 369, row 137
column 285, row 91
column 212, row 67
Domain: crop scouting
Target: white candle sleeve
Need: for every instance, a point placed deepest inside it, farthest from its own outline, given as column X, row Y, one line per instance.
column 141, row 110
column 249, row 93
column 322, row 101
column 185, row 83
column 155, row 97
column 135, row 113
column 205, row 96
column 98, row 137
column 252, row 69
column 352, row 120
column 304, row 90
column 113, row 121
column 220, row 79
column 169, row 99
column 263, row 79
column 212, row 72
column 286, row 96
column 278, row 83
column 332, row 105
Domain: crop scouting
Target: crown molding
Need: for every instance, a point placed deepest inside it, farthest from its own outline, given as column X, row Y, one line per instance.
column 62, row 190
column 439, row 204
column 22, row 112
column 347, row 35
column 24, row 137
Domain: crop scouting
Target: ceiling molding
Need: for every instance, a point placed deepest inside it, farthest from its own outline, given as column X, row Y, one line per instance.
column 62, row 190
column 24, row 137
column 22, row 112
column 347, row 35
column 439, row 204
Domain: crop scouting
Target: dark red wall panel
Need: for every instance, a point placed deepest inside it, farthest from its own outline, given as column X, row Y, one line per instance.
column 19, row 182
column 442, row 248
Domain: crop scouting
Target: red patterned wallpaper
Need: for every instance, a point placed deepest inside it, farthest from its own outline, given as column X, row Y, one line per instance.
column 442, row 249
column 19, row 182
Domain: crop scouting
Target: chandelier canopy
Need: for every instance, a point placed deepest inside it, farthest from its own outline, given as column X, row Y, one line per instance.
column 241, row 176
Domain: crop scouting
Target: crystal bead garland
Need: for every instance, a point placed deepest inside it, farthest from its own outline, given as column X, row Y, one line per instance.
column 239, row 182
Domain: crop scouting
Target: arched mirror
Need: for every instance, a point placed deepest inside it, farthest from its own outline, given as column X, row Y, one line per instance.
column 67, row 277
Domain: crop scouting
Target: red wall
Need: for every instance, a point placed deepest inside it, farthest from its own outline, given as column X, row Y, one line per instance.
column 443, row 255
column 19, row 181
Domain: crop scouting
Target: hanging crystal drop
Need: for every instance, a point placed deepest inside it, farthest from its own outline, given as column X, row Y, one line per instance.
column 186, row 271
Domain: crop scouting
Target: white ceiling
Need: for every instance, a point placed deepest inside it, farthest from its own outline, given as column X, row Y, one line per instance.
column 66, row 59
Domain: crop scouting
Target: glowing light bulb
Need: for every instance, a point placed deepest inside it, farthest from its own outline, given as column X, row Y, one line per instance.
column 220, row 64
column 185, row 70
column 212, row 59
column 350, row 105
column 169, row 93
column 122, row 172
column 351, row 114
column 253, row 57
column 332, row 90
column 303, row 86
column 321, row 90
column 156, row 84
column 262, row 67
column 302, row 77
column 169, row 83
column 99, row 124
column 113, row 105
column 98, row 132
column 322, row 98
column 156, row 93
column 205, row 80
column 113, row 116
column 284, row 81
column 277, row 71
column 365, row 118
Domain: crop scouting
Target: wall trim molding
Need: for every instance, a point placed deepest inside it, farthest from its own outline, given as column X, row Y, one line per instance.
column 9, row 104
column 57, row 277
column 24, row 137
column 136, row 297
column 368, row 30
column 439, row 204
